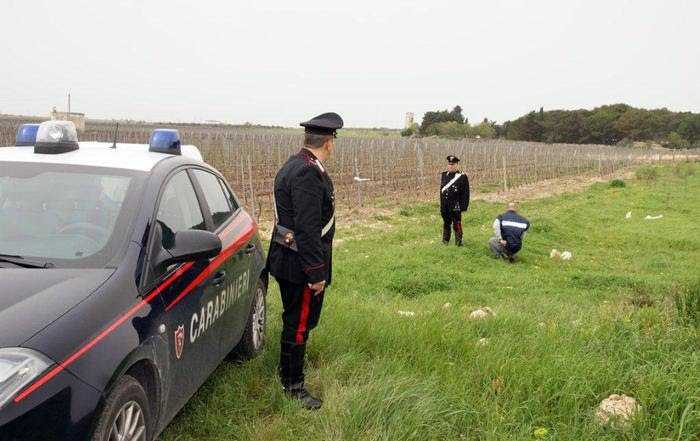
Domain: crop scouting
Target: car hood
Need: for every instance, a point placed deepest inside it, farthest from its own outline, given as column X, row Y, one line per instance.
column 31, row 299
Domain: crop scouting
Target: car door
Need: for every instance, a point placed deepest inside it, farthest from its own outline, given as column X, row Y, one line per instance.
column 189, row 303
column 228, row 221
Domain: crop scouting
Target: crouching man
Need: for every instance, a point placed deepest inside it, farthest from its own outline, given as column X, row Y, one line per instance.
column 509, row 230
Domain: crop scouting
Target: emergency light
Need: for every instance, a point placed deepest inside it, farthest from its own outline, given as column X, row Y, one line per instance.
column 56, row 137
column 26, row 135
column 165, row 141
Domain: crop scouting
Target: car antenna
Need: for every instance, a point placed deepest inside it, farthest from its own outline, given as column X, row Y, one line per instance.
column 116, row 130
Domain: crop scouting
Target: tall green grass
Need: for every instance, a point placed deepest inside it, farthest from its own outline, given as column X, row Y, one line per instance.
column 620, row 317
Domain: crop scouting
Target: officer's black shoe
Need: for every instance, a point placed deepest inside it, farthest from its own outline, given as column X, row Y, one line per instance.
column 307, row 400
column 458, row 242
column 511, row 259
column 445, row 242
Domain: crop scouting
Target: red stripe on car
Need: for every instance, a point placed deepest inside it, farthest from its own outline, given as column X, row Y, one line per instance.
column 238, row 242
column 214, row 264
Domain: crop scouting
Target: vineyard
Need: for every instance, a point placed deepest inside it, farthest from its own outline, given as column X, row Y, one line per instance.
column 365, row 168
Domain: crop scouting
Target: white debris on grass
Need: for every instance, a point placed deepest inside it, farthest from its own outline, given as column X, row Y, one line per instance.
column 406, row 313
column 482, row 342
column 616, row 410
column 447, row 305
column 628, row 215
column 563, row 255
column 481, row 313
column 650, row 217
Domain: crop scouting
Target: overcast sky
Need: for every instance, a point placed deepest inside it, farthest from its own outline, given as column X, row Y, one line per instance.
column 280, row 62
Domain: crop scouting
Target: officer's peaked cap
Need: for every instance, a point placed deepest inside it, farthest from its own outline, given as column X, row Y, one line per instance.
column 325, row 124
column 452, row 159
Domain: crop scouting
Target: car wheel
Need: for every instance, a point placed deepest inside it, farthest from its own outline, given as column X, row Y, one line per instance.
column 253, row 340
column 125, row 415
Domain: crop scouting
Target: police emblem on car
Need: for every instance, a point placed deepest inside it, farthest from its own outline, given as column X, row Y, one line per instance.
column 179, row 341
column 117, row 243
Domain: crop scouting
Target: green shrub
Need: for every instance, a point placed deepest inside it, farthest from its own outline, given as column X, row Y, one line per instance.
column 687, row 300
column 617, row 183
column 451, row 129
column 676, row 141
column 647, row 173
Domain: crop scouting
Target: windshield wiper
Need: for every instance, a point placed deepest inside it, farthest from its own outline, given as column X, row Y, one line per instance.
column 25, row 263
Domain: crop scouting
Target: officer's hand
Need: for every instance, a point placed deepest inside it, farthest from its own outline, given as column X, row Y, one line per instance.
column 503, row 242
column 318, row 287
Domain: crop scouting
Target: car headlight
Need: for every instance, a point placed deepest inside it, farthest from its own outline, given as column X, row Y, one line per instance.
column 18, row 367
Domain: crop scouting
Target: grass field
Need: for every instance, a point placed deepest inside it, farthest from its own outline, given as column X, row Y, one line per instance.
column 565, row 336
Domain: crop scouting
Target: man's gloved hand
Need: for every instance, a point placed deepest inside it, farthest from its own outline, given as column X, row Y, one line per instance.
column 503, row 242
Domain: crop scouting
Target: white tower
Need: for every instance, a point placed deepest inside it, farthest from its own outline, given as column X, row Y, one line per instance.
column 409, row 120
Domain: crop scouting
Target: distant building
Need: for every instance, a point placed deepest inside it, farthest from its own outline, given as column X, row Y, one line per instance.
column 409, row 120
column 77, row 118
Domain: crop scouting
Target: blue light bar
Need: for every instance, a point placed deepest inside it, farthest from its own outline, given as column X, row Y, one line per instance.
column 165, row 141
column 26, row 135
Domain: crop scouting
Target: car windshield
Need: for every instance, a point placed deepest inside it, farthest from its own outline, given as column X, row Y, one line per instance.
column 68, row 215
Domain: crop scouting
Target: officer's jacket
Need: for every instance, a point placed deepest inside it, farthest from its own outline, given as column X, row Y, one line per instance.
column 513, row 227
column 456, row 196
column 304, row 201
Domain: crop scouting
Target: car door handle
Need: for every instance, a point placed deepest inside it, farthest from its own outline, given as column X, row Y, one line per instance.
column 219, row 278
column 250, row 248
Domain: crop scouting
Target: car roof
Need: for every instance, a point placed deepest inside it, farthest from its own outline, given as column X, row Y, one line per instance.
column 100, row 154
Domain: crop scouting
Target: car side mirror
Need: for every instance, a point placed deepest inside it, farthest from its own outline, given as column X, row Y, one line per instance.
column 189, row 245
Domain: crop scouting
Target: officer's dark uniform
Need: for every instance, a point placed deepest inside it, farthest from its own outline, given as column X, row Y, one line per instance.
column 301, row 248
column 454, row 199
column 511, row 227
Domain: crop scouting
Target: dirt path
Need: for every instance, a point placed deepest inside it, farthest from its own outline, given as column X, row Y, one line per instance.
column 550, row 187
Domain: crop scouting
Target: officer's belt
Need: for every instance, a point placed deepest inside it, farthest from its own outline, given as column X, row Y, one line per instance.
column 449, row 184
column 286, row 237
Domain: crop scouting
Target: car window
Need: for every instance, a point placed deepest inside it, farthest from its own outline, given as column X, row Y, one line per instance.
column 229, row 196
column 179, row 209
column 217, row 200
column 73, row 216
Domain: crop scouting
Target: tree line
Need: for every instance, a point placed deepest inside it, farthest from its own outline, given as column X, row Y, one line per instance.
column 610, row 124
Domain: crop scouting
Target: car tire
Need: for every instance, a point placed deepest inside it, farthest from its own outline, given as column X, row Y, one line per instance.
column 127, row 403
column 253, row 341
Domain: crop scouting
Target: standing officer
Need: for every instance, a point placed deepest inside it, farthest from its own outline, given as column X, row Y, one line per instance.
column 301, row 247
column 454, row 199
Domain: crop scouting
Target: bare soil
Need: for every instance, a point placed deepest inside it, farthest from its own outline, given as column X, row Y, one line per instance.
column 550, row 187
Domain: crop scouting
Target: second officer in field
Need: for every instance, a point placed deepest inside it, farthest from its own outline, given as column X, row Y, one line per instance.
column 300, row 256
column 454, row 199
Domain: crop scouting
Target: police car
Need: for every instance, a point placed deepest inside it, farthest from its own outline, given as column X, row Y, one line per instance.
column 127, row 274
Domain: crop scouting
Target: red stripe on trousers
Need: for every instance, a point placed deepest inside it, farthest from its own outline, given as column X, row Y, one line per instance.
column 304, row 315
